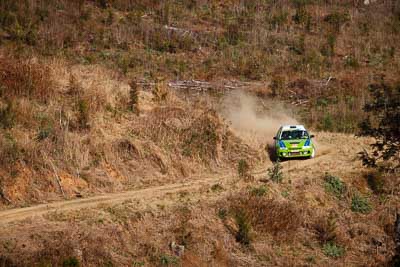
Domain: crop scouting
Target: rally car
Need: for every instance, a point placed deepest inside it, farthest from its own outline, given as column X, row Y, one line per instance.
column 293, row 141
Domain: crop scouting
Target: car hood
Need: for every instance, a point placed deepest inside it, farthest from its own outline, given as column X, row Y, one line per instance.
column 295, row 143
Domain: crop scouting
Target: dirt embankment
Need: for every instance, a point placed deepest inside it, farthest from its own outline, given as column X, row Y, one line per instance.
column 137, row 227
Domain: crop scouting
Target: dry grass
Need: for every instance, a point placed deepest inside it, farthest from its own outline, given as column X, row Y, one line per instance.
column 20, row 78
column 281, row 219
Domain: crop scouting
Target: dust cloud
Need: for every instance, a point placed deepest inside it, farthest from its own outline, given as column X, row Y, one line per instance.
column 253, row 119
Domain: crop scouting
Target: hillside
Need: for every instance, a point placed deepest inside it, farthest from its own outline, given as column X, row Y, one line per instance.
column 126, row 125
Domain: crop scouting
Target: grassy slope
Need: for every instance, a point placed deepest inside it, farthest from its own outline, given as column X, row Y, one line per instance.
column 77, row 58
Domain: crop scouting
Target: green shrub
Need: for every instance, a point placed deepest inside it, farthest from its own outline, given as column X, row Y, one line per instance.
column 337, row 19
column 216, row 188
column 259, row 191
column 243, row 168
column 351, row 62
column 334, row 185
column 7, row 116
column 44, row 133
column 222, row 213
column 10, row 151
column 243, row 234
column 168, row 260
column 333, row 250
column 360, row 204
column 303, row 17
column 275, row 172
column 71, row 262
column 83, row 114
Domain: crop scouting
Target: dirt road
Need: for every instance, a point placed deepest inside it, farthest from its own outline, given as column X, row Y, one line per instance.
column 330, row 157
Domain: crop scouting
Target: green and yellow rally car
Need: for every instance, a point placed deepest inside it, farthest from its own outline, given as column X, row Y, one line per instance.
column 293, row 141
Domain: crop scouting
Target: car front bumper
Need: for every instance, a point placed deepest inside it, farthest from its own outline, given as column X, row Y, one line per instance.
column 295, row 153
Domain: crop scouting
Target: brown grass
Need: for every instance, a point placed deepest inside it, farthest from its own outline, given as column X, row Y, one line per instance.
column 281, row 219
column 20, row 78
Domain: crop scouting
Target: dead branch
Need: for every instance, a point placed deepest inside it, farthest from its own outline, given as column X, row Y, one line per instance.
column 55, row 173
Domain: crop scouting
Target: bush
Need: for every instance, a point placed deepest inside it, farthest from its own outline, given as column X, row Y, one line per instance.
column 334, row 185
column 222, row 213
column 303, row 17
column 351, row 62
column 382, row 123
column 360, row 204
column 337, row 19
column 259, row 191
column 326, row 229
column 275, row 172
column 7, row 116
column 168, row 260
column 376, row 182
column 216, row 188
column 244, row 227
column 10, row 152
column 83, row 114
column 333, row 250
column 71, row 262
column 46, row 130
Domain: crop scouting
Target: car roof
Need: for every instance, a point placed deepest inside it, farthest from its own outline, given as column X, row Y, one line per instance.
column 293, row 127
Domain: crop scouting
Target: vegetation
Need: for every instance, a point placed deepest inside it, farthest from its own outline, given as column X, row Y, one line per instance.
column 333, row 250
column 275, row 172
column 259, row 191
column 243, row 234
column 87, row 105
column 360, row 204
column 243, row 168
column 334, row 185
column 382, row 123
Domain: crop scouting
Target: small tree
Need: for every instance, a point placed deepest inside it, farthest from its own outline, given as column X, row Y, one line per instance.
column 383, row 123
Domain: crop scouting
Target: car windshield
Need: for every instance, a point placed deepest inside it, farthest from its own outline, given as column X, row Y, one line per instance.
column 296, row 134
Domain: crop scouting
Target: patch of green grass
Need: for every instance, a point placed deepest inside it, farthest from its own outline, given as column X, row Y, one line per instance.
column 168, row 260
column 259, row 191
column 334, row 185
column 285, row 194
column 360, row 204
column 333, row 250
